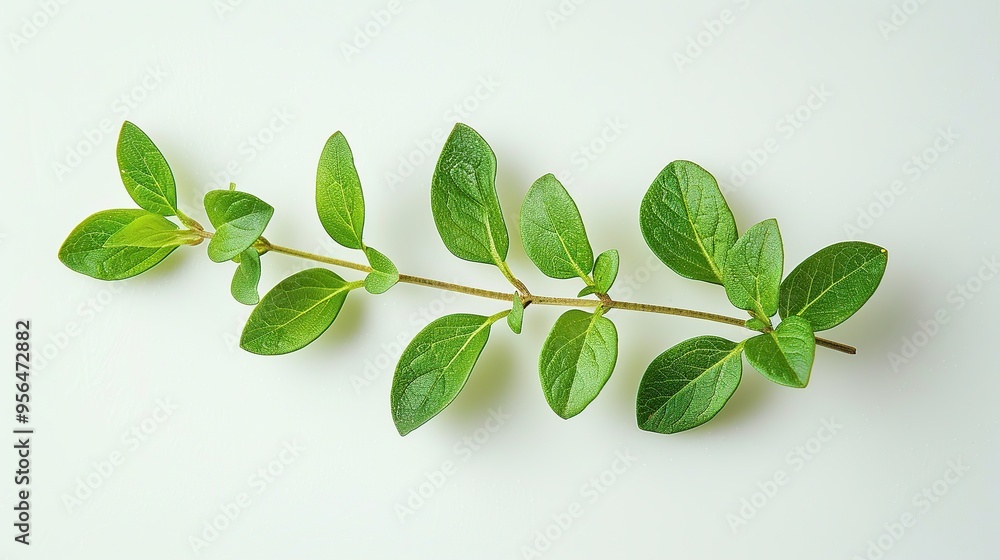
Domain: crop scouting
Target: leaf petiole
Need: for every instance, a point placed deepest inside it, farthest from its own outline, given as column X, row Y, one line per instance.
column 525, row 294
column 188, row 221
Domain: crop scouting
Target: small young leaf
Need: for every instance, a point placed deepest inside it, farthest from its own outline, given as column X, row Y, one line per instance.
column 516, row 316
column 755, row 324
column 239, row 219
column 576, row 360
column 687, row 223
column 384, row 274
column 295, row 312
column 434, row 368
column 339, row 200
column 606, row 270
column 145, row 172
column 753, row 269
column 464, row 199
column 85, row 252
column 832, row 284
column 246, row 278
column 784, row 355
column 151, row 230
column 552, row 231
column 688, row 384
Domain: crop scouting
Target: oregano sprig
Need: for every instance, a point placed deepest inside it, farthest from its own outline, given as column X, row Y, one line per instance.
column 683, row 217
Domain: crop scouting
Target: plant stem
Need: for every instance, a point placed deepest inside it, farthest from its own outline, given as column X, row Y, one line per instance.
column 540, row 300
column 272, row 248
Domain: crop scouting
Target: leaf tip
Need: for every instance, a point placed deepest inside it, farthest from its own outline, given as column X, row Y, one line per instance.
column 402, row 429
column 566, row 414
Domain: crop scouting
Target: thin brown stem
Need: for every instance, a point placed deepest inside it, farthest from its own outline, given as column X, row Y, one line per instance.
column 833, row 345
column 540, row 300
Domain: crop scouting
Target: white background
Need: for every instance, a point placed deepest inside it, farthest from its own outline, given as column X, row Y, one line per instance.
column 201, row 79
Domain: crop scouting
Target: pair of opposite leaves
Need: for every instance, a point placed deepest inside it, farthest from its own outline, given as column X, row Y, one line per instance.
column 579, row 354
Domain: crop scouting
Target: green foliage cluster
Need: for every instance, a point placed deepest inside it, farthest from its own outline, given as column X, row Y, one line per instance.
column 683, row 217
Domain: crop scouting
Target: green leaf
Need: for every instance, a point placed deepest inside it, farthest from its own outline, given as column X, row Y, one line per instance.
column 435, row 366
column 153, row 231
column 295, row 312
column 784, row 355
column 753, row 270
column 246, row 278
column 84, row 250
column 755, row 324
column 606, row 270
column 688, row 384
column 576, row 360
column 239, row 219
column 464, row 199
column 339, row 200
column 145, row 172
column 384, row 274
column 516, row 316
column 552, row 231
column 831, row 285
column 687, row 223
